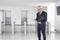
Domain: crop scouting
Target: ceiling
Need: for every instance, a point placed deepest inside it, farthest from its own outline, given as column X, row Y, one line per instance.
column 22, row 2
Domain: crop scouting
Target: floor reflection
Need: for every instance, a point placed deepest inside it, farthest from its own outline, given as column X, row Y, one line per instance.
column 52, row 36
column 9, row 36
column 29, row 36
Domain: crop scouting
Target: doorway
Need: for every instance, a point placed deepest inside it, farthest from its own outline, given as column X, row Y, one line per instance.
column 6, row 26
column 24, row 16
column 24, row 19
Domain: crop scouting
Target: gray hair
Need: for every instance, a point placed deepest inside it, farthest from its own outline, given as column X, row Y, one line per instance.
column 39, row 6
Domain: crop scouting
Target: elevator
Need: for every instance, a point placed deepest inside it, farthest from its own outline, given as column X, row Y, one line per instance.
column 6, row 24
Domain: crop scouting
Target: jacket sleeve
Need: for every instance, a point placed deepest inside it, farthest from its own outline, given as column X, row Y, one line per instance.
column 44, row 18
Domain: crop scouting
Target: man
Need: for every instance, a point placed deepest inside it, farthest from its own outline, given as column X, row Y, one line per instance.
column 41, row 23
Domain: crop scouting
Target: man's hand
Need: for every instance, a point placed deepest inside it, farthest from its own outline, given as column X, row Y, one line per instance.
column 39, row 22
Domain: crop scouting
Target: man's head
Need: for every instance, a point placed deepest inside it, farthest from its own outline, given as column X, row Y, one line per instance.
column 39, row 9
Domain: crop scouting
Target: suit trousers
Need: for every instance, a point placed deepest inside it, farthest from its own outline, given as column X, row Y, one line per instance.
column 41, row 28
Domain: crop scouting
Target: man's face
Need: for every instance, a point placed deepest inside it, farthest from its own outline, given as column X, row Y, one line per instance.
column 39, row 9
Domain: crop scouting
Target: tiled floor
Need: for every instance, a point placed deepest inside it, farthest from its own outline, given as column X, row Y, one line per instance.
column 30, row 36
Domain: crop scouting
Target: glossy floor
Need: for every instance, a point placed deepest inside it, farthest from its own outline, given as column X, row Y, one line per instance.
column 30, row 36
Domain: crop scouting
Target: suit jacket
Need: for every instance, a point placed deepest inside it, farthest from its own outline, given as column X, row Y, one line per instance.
column 41, row 17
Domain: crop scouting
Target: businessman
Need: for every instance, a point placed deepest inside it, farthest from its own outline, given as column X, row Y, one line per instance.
column 41, row 23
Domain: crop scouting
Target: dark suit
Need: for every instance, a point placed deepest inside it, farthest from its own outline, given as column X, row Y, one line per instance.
column 41, row 27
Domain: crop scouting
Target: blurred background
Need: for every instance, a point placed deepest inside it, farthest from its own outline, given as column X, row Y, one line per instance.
column 17, row 19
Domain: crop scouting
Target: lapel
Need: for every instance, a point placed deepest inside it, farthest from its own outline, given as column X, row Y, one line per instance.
column 40, row 14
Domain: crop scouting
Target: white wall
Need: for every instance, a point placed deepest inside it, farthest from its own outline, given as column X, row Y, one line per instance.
column 51, row 16
column 57, row 18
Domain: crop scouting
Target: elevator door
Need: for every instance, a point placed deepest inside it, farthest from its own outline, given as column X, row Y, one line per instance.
column 8, row 25
column 24, row 16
